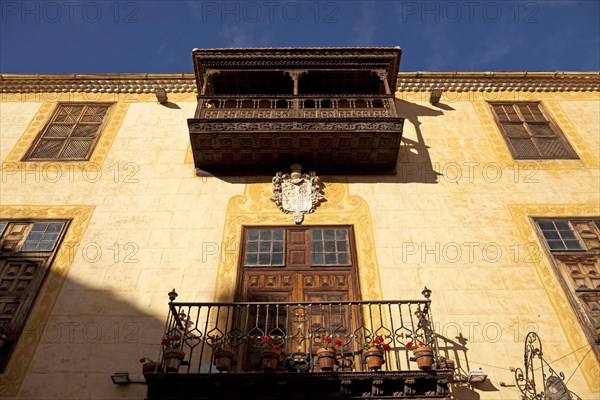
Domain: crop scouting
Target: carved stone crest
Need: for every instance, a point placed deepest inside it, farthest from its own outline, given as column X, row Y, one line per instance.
column 297, row 193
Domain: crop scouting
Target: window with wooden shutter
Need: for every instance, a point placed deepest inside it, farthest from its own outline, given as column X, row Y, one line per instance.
column 71, row 133
column 27, row 249
column 530, row 133
column 574, row 244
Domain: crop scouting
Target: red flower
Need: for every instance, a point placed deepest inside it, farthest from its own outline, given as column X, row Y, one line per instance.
column 337, row 342
column 175, row 337
column 327, row 339
column 265, row 339
column 165, row 342
column 421, row 344
column 276, row 347
column 409, row 344
column 386, row 347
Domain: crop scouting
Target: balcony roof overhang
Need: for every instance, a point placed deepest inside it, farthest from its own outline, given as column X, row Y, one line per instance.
column 208, row 61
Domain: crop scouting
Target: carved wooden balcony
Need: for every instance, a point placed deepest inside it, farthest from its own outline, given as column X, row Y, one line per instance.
column 299, row 329
column 330, row 110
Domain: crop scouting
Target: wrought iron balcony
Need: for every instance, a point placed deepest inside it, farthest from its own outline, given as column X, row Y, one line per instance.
column 298, row 330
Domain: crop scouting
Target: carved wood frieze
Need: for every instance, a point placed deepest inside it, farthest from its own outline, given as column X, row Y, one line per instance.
column 348, row 146
column 204, row 126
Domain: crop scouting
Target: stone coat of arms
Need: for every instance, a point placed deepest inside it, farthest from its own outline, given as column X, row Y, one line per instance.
column 297, row 193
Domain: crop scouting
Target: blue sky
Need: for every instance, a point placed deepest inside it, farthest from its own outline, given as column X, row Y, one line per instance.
column 110, row 36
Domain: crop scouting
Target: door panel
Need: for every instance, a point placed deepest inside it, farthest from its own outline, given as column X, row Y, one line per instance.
column 298, row 248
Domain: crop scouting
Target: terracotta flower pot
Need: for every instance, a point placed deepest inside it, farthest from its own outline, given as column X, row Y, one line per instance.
column 151, row 367
column 446, row 364
column 269, row 359
column 173, row 358
column 423, row 357
column 374, row 358
column 223, row 360
column 326, row 358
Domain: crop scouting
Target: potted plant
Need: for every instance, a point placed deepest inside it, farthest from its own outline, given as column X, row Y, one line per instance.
column 423, row 354
column 445, row 363
column 373, row 352
column 4, row 335
column 172, row 354
column 269, row 353
column 149, row 366
column 326, row 354
column 223, row 357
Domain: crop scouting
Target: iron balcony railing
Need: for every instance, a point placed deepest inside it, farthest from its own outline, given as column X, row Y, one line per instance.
column 299, row 329
column 273, row 107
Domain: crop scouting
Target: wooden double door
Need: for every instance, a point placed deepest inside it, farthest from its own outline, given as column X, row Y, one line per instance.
column 286, row 266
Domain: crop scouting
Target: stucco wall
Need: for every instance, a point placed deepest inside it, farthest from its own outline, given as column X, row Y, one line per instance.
column 454, row 219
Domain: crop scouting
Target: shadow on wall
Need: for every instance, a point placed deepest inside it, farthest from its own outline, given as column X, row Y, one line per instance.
column 414, row 162
column 90, row 334
column 456, row 349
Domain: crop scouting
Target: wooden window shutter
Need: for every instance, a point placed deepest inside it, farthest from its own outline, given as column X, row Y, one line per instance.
column 27, row 250
column 529, row 132
column 71, row 133
column 298, row 253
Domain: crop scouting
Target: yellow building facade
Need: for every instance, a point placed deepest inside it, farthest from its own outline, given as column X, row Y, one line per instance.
column 459, row 216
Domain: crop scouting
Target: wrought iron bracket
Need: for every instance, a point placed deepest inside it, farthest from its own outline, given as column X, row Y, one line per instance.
column 538, row 381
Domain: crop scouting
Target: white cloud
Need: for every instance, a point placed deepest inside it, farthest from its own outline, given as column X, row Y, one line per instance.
column 364, row 28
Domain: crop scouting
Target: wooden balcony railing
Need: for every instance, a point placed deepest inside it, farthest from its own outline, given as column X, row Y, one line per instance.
column 296, row 107
column 299, row 329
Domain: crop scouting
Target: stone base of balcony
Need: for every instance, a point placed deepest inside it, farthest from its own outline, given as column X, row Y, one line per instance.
column 301, row 385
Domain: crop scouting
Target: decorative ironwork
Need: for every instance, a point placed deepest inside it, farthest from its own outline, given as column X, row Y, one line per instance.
column 297, row 193
column 539, row 381
column 300, row 329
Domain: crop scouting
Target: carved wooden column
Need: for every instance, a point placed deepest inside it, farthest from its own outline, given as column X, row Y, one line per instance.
column 295, row 75
column 206, row 77
column 382, row 74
